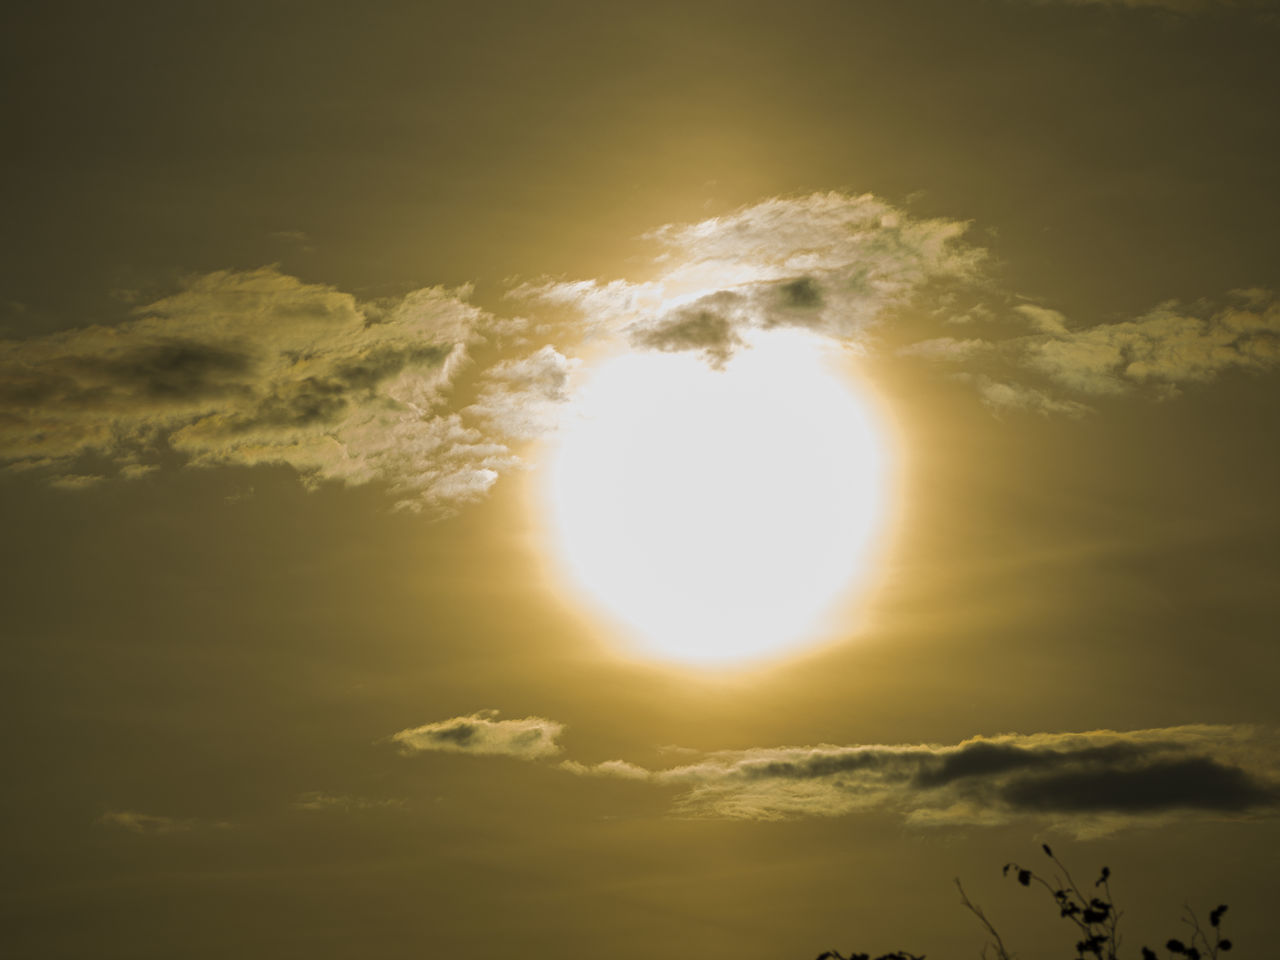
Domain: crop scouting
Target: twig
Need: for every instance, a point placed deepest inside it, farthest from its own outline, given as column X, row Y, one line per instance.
column 1001, row 952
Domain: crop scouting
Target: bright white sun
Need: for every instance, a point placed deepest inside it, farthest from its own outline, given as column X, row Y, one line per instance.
column 717, row 515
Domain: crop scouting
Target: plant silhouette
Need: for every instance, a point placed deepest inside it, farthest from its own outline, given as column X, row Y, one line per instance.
column 1094, row 915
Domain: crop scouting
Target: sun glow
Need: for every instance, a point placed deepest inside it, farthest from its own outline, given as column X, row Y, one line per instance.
column 717, row 515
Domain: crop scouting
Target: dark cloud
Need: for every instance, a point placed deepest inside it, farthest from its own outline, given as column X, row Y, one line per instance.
column 301, row 403
column 697, row 329
column 372, row 369
column 174, row 370
column 1194, row 783
column 803, row 293
column 984, row 758
column 461, row 733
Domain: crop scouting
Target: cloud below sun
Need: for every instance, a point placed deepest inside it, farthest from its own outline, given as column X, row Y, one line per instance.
column 1089, row 783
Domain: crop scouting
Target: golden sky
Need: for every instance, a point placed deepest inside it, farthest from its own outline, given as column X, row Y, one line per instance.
column 648, row 480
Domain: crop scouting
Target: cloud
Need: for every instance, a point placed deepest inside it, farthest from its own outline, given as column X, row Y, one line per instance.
column 1165, row 347
column 318, row 801
column 1091, row 782
column 482, row 734
column 616, row 769
column 299, row 239
column 1156, row 354
column 710, row 325
column 521, row 399
column 1077, row 779
column 943, row 349
column 75, row 481
column 244, row 368
column 152, row 825
column 1198, row 783
column 827, row 262
column 1015, row 396
column 257, row 367
column 841, row 265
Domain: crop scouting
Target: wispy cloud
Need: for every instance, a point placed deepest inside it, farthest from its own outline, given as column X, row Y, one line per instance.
column 522, row 399
column 1000, row 395
column 1164, row 348
column 1156, row 354
column 318, row 801
column 482, row 734
column 75, row 481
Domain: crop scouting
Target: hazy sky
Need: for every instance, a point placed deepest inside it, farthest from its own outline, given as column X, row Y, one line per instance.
column 299, row 299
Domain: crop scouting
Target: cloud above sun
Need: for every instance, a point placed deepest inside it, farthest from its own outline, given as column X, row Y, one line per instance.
column 1155, row 354
column 829, row 263
column 258, row 367
column 434, row 396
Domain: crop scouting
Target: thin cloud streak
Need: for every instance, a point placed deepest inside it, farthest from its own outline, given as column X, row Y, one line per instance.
column 149, row 824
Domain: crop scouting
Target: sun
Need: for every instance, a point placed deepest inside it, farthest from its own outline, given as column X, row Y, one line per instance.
column 716, row 516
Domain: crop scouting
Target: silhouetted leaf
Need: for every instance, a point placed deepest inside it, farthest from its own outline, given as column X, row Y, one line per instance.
column 1224, row 944
column 1175, row 946
column 1149, row 954
column 1047, row 851
column 1024, row 877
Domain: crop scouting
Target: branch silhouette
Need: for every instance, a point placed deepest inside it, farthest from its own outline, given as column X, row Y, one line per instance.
column 1092, row 913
